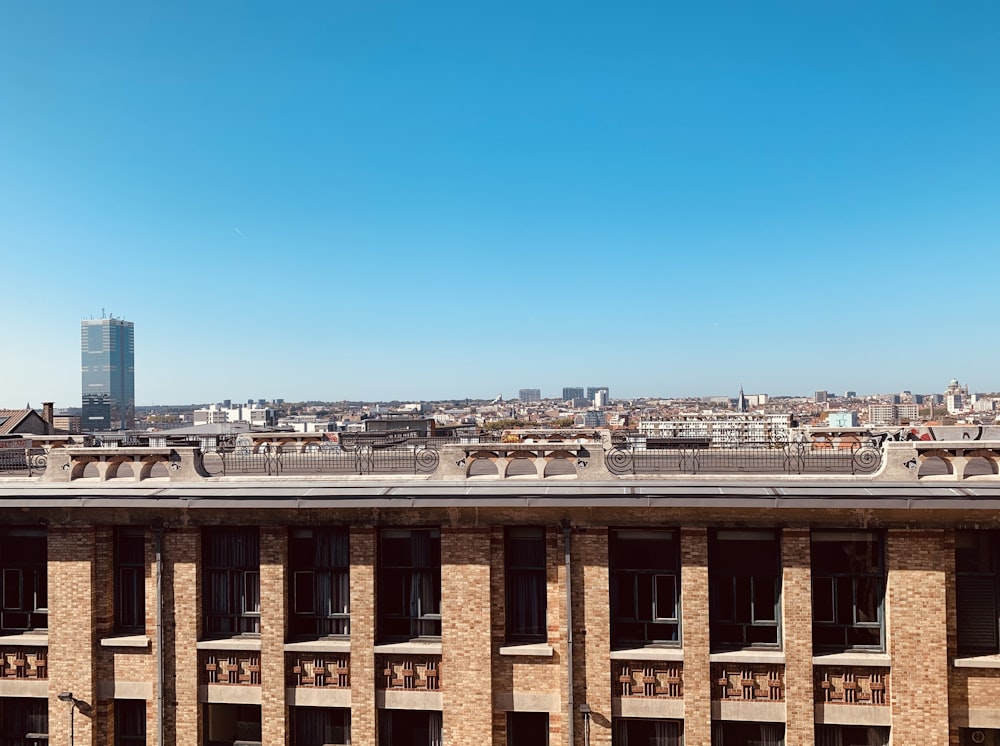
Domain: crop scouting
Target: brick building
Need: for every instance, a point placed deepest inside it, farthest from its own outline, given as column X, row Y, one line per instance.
column 556, row 590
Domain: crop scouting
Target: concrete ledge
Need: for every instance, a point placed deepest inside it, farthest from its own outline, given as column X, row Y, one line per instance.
column 389, row 699
column 880, row 660
column 409, row 648
column 518, row 702
column 27, row 640
column 977, row 661
column 230, row 643
column 125, row 641
column 317, row 697
column 827, row 714
column 542, row 649
column 647, row 707
column 648, row 654
column 113, row 689
column 232, row 694
column 767, row 712
column 776, row 657
column 983, row 717
column 14, row 688
column 319, row 646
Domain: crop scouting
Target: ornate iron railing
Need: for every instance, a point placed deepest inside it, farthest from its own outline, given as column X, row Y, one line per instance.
column 25, row 462
column 701, row 456
column 351, row 456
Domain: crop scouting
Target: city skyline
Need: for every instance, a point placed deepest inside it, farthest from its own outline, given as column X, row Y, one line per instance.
column 388, row 200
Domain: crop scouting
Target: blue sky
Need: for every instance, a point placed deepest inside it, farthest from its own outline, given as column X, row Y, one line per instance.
column 377, row 199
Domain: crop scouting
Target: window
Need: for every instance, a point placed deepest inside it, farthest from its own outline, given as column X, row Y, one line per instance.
column 24, row 722
column 24, row 577
column 130, row 722
column 527, row 729
column 319, row 564
column 645, row 592
column 745, row 583
column 130, row 580
column 725, row 733
column 976, row 581
column 409, row 587
column 640, row 732
column 848, row 588
column 409, row 728
column 321, row 726
column 228, row 725
column 231, row 597
column 851, row 735
column 524, row 571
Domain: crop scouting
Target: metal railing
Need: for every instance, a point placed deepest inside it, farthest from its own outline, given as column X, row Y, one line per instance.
column 23, row 462
column 701, row 456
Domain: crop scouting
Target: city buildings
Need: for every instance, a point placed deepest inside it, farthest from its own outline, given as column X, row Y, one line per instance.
column 555, row 587
column 107, row 359
column 529, row 395
column 570, row 393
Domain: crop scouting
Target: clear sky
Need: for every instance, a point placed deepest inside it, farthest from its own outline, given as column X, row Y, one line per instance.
column 377, row 199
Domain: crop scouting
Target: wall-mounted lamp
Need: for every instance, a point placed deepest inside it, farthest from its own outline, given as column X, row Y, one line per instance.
column 73, row 704
column 585, row 711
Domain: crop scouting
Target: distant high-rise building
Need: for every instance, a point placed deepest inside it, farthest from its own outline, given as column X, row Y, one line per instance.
column 592, row 391
column 821, row 397
column 600, row 398
column 529, row 395
column 742, row 405
column 572, row 392
column 107, row 364
column 850, row 394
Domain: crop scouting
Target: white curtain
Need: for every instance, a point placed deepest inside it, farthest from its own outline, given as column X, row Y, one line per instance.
column 434, row 729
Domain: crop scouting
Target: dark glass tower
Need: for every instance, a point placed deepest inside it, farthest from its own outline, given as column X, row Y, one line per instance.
column 107, row 357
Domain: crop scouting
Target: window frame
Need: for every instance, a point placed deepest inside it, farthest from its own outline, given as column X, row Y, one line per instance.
column 129, row 574
column 126, row 714
column 520, row 721
column 641, row 584
column 413, row 586
column 725, row 581
column 238, row 576
column 327, row 573
column 832, row 584
column 25, row 576
column 300, row 715
column 523, row 581
column 973, row 589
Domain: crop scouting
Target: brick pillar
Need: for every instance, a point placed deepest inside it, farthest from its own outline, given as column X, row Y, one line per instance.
column 363, row 714
column 181, row 627
column 104, row 623
column 796, row 627
column 694, row 606
column 273, row 595
column 466, row 667
column 557, row 631
column 592, row 618
column 918, row 636
column 502, row 677
column 72, row 632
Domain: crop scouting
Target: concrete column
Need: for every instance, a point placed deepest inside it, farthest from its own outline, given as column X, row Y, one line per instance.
column 363, row 713
column 72, row 594
column 466, row 667
column 796, row 627
column 273, row 595
column 183, row 721
column 695, row 630
column 918, row 636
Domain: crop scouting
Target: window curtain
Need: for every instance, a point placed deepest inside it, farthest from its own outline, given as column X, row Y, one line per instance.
column 620, row 733
column 878, row 737
column 666, row 734
column 526, row 613
column 434, row 729
column 828, row 736
column 385, row 728
column 421, row 584
column 772, row 734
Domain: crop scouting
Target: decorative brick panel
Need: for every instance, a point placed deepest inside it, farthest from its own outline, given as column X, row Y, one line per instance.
column 409, row 672
column 649, row 679
column 852, row 686
column 319, row 671
column 24, row 663
column 241, row 669
column 754, row 683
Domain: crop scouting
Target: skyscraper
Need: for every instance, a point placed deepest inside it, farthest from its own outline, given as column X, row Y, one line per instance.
column 107, row 358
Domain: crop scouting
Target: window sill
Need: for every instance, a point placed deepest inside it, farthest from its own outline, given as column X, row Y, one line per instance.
column 318, row 646
column 977, row 661
column 748, row 656
column 648, row 654
column 125, row 641
column 26, row 639
column 882, row 660
column 409, row 648
column 229, row 643
column 536, row 649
